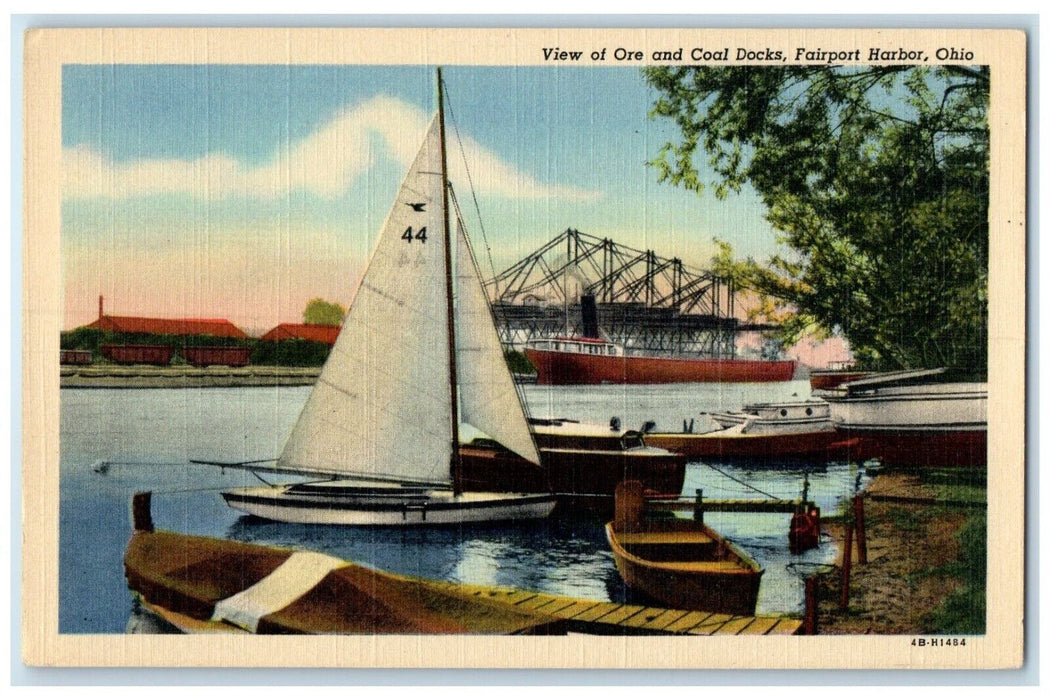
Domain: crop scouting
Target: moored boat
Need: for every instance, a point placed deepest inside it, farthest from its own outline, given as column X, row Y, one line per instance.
column 906, row 420
column 202, row 584
column 682, row 563
column 412, row 360
column 580, row 360
column 764, row 431
column 779, row 418
column 737, row 444
column 579, row 462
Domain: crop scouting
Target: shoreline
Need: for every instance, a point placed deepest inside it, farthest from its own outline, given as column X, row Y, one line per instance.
column 905, row 588
column 150, row 377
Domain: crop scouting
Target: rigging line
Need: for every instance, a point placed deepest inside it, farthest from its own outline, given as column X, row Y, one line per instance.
column 119, row 463
column 473, row 192
column 519, row 390
column 744, row 483
column 195, row 490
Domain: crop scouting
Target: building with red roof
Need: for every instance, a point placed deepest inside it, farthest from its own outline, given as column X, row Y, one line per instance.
column 218, row 327
column 303, row 331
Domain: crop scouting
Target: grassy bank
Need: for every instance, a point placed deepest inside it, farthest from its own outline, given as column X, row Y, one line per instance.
column 926, row 570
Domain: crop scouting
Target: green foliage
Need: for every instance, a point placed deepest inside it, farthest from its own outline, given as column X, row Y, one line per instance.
column 964, row 609
column 518, row 363
column 877, row 177
column 325, row 313
column 83, row 339
column 293, row 352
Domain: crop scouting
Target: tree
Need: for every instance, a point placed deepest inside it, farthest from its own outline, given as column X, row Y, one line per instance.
column 324, row 313
column 877, row 178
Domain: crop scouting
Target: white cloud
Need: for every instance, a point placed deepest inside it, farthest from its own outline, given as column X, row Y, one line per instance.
column 326, row 163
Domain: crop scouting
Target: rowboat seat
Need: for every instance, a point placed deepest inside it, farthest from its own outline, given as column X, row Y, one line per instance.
column 628, row 538
column 705, row 566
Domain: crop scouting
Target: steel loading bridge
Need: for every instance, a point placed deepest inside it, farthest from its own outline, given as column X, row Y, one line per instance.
column 645, row 301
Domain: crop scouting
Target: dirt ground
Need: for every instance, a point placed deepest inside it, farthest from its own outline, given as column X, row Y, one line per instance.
column 895, row 592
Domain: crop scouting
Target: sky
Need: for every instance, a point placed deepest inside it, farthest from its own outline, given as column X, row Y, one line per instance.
column 242, row 192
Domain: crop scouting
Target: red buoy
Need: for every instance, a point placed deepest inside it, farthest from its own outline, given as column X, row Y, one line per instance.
column 804, row 531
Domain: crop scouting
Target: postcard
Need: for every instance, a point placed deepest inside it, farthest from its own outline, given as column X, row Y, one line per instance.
column 524, row 348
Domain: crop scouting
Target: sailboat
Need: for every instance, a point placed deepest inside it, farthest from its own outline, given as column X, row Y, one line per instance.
column 418, row 352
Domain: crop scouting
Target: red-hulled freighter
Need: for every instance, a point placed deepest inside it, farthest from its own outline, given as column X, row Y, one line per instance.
column 577, row 360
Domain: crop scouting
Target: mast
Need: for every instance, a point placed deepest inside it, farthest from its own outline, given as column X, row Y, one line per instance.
column 450, row 308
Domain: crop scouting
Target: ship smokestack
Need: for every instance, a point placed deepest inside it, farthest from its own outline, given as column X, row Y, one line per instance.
column 589, row 314
column 100, row 306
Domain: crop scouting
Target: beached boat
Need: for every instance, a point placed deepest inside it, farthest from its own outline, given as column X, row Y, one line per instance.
column 202, row 584
column 904, row 419
column 682, row 563
column 411, row 362
column 587, row 360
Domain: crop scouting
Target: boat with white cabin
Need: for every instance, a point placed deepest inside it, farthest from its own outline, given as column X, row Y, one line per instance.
column 908, row 418
column 778, row 417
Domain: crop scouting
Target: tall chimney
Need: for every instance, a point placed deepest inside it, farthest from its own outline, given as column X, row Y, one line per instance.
column 100, row 307
column 589, row 316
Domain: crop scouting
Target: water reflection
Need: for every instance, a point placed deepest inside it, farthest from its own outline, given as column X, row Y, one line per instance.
column 146, row 438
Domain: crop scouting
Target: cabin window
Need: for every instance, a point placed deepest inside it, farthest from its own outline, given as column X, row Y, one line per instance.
column 783, row 412
column 809, row 411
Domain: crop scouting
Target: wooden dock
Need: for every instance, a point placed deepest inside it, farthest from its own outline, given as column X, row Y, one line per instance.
column 596, row 617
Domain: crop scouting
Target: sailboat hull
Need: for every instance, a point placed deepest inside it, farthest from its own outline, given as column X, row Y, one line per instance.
column 393, row 508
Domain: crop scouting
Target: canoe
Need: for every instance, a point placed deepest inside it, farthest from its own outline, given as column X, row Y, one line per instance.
column 202, row 584
column 681, row 563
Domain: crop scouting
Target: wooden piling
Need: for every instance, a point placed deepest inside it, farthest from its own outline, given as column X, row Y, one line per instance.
column 698, row 509
column 847, row 557
column 629, row 506
column 812, row 604
column 141, row 517
column 862, row 540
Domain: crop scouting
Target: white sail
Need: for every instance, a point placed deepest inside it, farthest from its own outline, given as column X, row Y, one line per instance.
column 381, row 405
column 488, row 399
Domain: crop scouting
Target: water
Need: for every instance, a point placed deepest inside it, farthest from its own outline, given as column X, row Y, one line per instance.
column 148, row 436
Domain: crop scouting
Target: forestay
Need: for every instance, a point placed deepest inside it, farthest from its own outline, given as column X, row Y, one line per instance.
column 381, row 405
column 488, row 398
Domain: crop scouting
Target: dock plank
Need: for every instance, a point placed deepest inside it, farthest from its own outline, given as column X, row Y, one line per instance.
column 710, row 625
column 786, row 626
column 638, row 617
column 760, row 625
column 618, row 616
column 665, row 618
column 578, row 607
column 597, row 611
column 691, row 619
column 537, row 602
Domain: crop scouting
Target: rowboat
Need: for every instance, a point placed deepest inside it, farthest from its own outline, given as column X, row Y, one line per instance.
column 681, row 563
column 207, row 585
